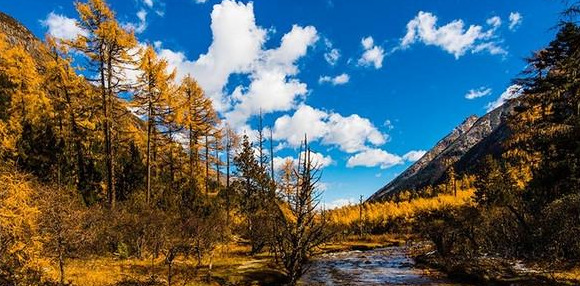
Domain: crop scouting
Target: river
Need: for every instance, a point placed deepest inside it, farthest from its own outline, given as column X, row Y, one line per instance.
column 383, row 266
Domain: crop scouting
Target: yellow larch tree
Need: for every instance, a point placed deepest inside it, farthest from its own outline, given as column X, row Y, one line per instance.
column 108, row 47
column 24, row 101
column 199, row 119
column 74, row 104
column 151, row 100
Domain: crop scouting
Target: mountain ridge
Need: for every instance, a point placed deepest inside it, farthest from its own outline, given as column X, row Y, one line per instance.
column 473, row 139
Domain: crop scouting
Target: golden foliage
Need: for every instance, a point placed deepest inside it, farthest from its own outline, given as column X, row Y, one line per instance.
column 21, row 88
column 20, row 244
column 381, row 213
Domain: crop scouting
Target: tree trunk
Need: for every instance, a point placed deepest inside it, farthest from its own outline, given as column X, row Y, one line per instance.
column 169, row 274
column 206, row 165
column 61, row 263
column 149, row 128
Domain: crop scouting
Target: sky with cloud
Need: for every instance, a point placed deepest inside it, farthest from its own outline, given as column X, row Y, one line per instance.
column 373, row 84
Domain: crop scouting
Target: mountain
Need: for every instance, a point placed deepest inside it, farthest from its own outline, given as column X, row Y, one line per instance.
column 464, row 147
column 18, row 34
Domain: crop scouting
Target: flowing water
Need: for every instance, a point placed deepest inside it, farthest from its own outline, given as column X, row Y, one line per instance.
column 384, row 266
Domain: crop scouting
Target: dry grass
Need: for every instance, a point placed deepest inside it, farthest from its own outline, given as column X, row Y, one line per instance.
column 366, row 242
column 230, row 265
column 571, row 275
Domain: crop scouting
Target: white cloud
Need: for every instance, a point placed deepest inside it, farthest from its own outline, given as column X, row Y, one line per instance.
column 200, row 1
column 337, row 80
column 332, row 56
column 383, row 159
column 237, row 48
column 305, row 121
column 477, row 93
column 453, row 37
column 140, row 26
column 511, row 92
column 273, row 87
column 515, row 20
column 389, row 124
column 350, row 134
column 339, row 203
column 414, row 155
column 149, row 3
column 374, row 158
column 62, row 27
column 372, row 55
column 494, row 21
column 318, row 160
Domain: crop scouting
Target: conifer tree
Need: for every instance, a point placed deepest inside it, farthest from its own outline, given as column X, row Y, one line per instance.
column 151, row 99
column 74, row 104
column 199, row 118
column 107, row 47
column 24, row 101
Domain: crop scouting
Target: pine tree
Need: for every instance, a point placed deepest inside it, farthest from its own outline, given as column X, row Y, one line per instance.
column 253, row 203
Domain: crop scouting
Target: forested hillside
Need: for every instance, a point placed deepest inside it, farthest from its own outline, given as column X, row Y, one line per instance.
column 106, row 156
column 526, row 200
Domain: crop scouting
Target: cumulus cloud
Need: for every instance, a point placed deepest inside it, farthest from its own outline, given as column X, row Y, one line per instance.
column 374, row 158
column 273, row 87
column 477, row 93
column 515, row 20
column 336, row 80
column 453, row 37
column 236, row 45
column 305, row 120
column 62, row 27
column 237, row 48
column 318, row 159
column 373, row 55
column 414, row 155
column 350, row 134
column 339, row 203
column 511, row 92
column 140, row 26
column 383, row 159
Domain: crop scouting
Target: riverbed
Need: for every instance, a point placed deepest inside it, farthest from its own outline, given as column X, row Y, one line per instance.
column 383, row 266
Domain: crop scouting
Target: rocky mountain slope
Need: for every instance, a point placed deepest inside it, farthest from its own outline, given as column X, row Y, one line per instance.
column 18, row 34
column 468, row 143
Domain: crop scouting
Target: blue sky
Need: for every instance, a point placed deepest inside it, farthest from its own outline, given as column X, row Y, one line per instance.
column 373, row 83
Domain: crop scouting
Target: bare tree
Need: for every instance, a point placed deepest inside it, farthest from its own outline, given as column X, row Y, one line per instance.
column 302, row 227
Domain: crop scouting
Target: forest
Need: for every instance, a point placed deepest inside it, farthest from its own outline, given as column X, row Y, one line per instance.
column 113, row 172
column 96, row 164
